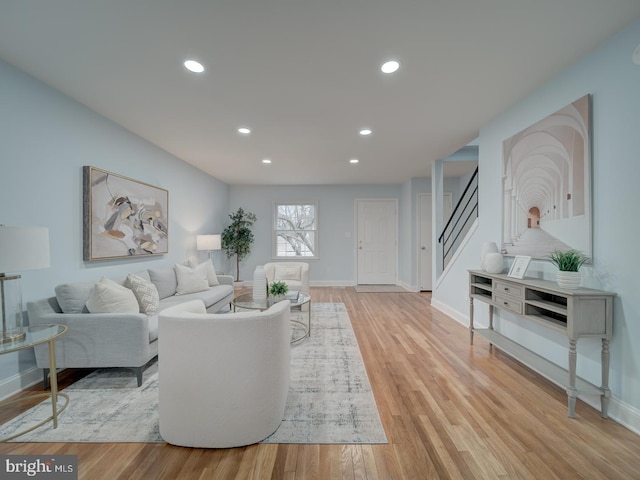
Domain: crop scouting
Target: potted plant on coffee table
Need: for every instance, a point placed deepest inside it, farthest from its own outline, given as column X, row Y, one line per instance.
column 568, row 263
column 278, row 290
column 237, row 238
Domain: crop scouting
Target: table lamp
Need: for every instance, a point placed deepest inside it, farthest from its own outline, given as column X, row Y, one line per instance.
column 208, row 243
column 21, row 248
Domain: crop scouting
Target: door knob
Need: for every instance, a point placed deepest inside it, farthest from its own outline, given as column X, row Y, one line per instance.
column 424, row 248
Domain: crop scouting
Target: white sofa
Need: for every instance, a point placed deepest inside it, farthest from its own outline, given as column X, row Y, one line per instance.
column 97, row 340
column 223, row 379
column 294, row 274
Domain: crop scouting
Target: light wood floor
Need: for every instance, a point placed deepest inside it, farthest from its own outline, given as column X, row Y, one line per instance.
column 449, row 411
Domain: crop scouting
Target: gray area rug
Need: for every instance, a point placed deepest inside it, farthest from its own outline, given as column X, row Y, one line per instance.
column 330, row 398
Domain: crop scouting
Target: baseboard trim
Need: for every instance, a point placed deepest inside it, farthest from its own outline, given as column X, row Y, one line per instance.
column 619, row 411
column 16, row 383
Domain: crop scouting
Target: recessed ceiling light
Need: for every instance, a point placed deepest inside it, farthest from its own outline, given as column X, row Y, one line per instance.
column 365, row 131
column 354, row 161
column 244, row 130
column 266, row 161
column 390, row 66
column 193, row 66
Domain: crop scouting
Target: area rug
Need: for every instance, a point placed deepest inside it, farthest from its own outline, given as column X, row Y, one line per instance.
column 329, row 401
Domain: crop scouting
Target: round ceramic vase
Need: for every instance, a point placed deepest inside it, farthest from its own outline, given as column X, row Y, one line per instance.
column 487, row 247
column 493, row 262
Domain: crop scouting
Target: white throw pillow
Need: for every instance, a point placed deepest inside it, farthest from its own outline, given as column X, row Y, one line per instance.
column 288, row 272
column 146, row 293
column 190, row 280
column 108, row 296
column 207, row 266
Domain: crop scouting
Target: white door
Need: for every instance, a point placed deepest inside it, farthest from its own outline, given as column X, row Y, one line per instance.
column 426, row 240
column 377, row 241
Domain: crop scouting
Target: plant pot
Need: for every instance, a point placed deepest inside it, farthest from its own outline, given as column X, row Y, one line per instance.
column 570, row 280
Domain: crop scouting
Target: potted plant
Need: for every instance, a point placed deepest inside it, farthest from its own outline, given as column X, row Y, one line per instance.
column 237, row 238
column 568, row 263
column 278, row 290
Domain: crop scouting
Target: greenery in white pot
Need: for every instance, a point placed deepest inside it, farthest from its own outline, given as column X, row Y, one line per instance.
column 568, row 261
column 278, row 289
column 237, row 238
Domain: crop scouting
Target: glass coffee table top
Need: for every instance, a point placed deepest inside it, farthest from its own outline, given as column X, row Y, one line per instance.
column 246, row 301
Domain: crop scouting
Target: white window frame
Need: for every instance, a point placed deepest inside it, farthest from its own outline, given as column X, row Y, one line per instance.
column 274, row 233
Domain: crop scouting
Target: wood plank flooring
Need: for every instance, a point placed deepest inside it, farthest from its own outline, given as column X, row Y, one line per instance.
column 450, row 411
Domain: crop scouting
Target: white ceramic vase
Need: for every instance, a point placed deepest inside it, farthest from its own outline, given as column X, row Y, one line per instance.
column 487, row 247
column 493, row 262
column 570, row 280
column 259, row 283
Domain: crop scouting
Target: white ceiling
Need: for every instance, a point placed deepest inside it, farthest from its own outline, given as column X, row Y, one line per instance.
column 304, row 75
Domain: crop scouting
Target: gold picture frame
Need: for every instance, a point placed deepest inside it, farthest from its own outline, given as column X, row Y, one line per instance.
column 122, row 217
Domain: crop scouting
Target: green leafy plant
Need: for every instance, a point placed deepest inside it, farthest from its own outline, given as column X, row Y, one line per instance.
column 237, row 238
column 568, row 261
column 278, row 288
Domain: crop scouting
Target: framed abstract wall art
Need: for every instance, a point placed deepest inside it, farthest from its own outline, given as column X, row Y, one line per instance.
column 122, row 217
column 546, row 185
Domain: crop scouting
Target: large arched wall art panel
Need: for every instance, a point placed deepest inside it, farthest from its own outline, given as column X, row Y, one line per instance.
column 546, row 198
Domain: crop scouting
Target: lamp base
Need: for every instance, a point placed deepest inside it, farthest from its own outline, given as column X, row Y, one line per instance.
column 12, row 338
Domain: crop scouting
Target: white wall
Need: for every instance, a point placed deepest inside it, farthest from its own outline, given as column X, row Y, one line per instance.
column 614, row 81
column 336, row 220
column 45, row 139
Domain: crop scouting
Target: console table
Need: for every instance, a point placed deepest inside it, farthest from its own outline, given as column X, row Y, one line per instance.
column 577, row 313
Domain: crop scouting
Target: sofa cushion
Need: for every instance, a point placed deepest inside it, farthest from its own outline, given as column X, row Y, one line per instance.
column 72, row 297
column 146, row 293
column 210, row 296
column 165, row 281
column 285, row 272
column 207, row 267
column 190, row 280
column 108, row 296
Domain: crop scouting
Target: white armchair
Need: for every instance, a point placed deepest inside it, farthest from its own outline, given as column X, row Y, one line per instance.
column 224, row 378
column 294, row 274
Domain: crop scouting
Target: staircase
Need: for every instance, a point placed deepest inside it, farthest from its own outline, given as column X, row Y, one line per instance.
column 462, row 217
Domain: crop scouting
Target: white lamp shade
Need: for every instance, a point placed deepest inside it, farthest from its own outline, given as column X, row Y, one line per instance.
column 208, row 242
column 23, row 248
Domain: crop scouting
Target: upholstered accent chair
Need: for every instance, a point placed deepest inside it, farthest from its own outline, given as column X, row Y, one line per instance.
column 223, row 378
column 294, row 274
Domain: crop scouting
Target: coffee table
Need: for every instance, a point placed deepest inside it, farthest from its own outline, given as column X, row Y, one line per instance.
column 246, row 301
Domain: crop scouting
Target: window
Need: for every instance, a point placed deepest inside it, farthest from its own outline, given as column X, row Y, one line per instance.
column 295, row 230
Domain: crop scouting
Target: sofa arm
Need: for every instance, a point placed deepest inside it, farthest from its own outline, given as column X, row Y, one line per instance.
column 93, row 339
column 225, row 279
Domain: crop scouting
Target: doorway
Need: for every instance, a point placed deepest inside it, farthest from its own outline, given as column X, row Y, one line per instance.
column 425, row 237
column 376, row 242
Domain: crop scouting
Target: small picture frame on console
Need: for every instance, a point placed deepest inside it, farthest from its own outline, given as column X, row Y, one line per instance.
column 519, row 266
